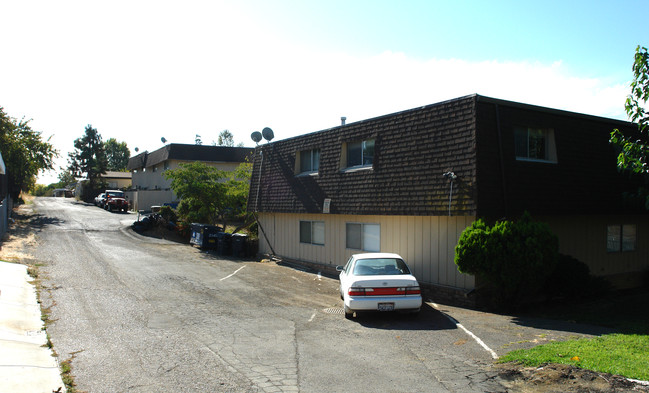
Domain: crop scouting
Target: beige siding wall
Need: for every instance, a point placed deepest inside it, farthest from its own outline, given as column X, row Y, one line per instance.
column 584, row 237
column 144, row 199
column 426, row 243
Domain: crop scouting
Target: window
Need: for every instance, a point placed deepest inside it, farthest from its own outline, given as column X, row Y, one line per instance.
column 166, row 165
column 309, row 161
column 312, row 232
column 535, row 144
column 360, row 153
column 620, row 238
column 366, row 237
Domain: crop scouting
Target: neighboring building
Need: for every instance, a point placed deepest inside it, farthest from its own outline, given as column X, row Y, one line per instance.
column 150, row 188
column 383, row 184
column 117, row 180
column 113, row 180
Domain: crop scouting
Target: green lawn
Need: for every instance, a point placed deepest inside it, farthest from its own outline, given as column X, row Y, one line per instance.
column 624, row 353
column 620, row 354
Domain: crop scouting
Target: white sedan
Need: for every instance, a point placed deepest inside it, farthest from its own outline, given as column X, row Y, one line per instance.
column 378, row 282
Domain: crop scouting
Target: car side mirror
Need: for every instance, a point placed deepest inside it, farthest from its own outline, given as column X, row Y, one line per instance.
column 340, row 268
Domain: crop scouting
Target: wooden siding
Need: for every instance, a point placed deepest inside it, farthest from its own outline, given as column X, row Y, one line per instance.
column 427, row 243
column 584, row 237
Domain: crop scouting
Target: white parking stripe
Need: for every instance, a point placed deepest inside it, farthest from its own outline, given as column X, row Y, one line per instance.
column 236, row 271
column 476, row 338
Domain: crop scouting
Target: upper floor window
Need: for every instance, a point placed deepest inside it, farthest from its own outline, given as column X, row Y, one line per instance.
column 360, row 153
column 309, row 161
column 535, row 144
column 620, row 238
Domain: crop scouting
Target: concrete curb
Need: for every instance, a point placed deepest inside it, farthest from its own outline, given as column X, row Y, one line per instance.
column 26, row 364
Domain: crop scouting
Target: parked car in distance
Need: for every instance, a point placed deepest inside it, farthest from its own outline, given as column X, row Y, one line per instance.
column 100, row 199
column 115, row 201
column 378, row 282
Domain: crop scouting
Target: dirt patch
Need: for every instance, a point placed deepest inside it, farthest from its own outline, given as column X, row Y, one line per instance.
column 560, row 378
column 20, row 236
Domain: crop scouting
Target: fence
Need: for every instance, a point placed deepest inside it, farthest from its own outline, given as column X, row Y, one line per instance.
column 5, row 212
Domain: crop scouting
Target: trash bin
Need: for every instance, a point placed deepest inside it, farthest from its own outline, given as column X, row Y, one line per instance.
column 223, row 243
column 239, row 245
column 204, row 236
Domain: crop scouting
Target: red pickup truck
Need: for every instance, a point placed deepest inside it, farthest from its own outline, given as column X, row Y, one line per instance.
column 115, row 201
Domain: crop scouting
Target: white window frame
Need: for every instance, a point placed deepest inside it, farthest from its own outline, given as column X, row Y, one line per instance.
column 363, row 147
column 550, row 147
column 315, row 228
column 314, row 161
column 366, row 237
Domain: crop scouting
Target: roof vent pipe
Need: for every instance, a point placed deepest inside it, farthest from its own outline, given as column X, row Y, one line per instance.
column 342, row 120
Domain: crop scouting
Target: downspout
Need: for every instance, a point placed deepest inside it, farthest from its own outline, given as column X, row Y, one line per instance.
column 502, row 162
column 451, row 176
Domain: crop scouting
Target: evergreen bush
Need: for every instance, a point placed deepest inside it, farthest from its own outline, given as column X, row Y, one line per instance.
column 513, row 258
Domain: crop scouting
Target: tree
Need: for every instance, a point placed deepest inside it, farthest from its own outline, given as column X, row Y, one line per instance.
column 226, row 139
column 89, row 159
column 24, row 152
column 635, row 148
column 515, row 258
column 201, row 189
column 238, row 186
column 117, row 154
column 207, row 193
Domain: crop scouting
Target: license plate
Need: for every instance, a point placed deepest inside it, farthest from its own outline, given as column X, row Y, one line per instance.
column 386, row 306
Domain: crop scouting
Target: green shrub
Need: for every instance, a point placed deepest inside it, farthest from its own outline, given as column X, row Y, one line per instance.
column 514, row 258
column 570, row 278
column 168, row 214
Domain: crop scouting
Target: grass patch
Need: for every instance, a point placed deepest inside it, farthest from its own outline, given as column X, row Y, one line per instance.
column 623, row 353
column 619, row 354
column 66, row 376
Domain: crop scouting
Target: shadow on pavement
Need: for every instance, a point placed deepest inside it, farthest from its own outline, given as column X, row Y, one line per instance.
column 39, row 221
column 562, row 326
column 427, row 319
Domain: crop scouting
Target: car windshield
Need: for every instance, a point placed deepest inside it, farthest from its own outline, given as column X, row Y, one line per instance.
column 116, row 194
column 380, row 266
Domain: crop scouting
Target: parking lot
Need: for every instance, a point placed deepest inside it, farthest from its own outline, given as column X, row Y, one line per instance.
column 139, row 314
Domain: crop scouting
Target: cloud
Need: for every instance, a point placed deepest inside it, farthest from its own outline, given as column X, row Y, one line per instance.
column 175, row 72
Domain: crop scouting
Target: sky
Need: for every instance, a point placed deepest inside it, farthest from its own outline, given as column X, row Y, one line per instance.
column 138, row 71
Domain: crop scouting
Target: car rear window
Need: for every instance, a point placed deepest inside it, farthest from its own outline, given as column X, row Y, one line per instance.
column 380, row 266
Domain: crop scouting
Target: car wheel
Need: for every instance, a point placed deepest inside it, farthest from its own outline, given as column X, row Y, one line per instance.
column 341, row 293
column 348, row 312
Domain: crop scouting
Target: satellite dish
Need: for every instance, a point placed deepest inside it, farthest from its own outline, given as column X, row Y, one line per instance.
column 268, row 134
column 137, row 149
column 256, row 136
column 163, row 139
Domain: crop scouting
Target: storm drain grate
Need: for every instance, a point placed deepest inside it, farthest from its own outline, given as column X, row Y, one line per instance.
column 334, row 310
